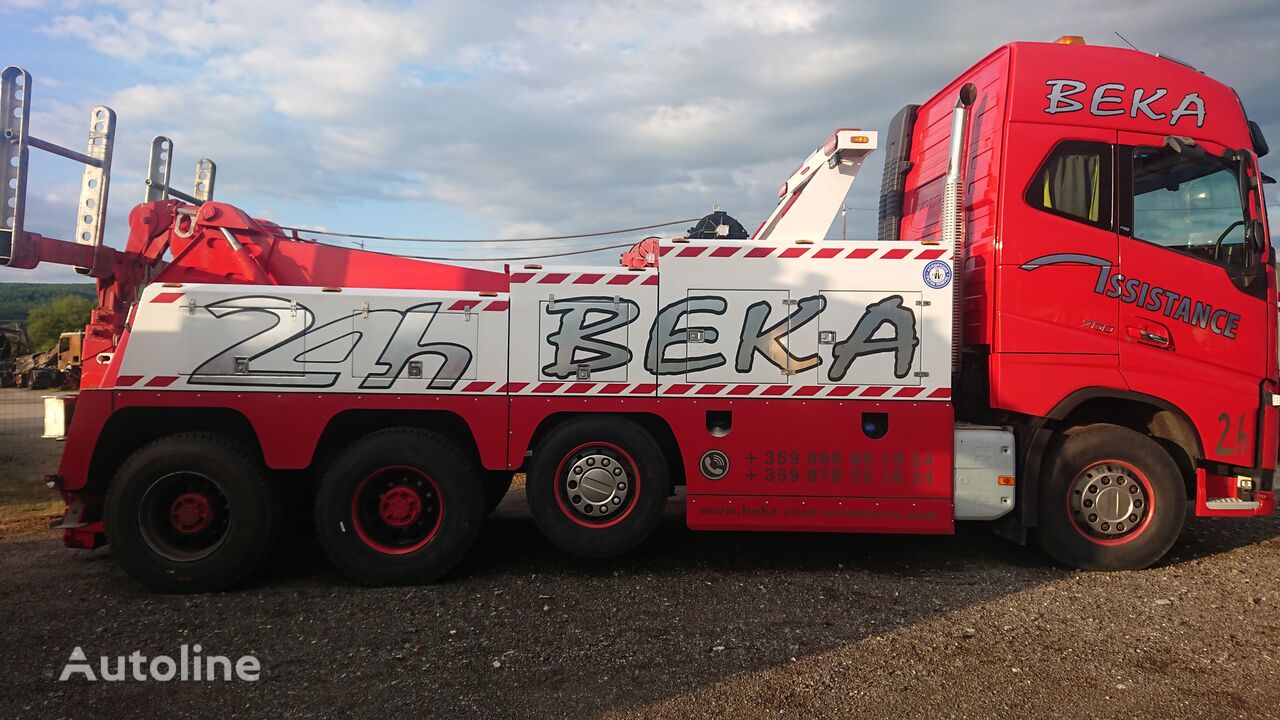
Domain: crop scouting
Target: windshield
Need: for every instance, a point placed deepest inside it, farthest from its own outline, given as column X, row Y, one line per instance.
column 1190, row 204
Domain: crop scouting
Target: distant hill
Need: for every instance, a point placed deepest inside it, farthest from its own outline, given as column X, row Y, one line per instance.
column 17, row 299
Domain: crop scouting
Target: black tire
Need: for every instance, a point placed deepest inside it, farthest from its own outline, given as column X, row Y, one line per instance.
column 369, row 522
column 1113, row 499
column 622, row 445
column 497, row 483
column 169, row 516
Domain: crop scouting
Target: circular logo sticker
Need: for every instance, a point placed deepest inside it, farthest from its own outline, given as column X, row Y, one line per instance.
column 714, row 464
column 937, row 274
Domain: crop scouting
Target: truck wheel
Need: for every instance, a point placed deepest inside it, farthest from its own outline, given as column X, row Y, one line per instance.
column 497, row 483
column 597, row 487
column 399, row 506
column 191, row 512
column 1113, row 500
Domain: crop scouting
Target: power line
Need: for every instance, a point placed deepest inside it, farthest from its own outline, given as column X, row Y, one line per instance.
column 450, row 258
column 577, row 236
column 522, row 257
column 361, row 236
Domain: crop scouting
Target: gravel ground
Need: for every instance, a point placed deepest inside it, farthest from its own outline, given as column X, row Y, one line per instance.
column 690, row 625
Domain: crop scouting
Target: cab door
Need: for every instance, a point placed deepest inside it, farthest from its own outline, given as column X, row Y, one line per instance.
column 1194, row 316
column 1055, row 325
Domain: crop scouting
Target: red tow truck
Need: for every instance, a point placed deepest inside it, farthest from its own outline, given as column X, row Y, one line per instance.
column 1066, row 328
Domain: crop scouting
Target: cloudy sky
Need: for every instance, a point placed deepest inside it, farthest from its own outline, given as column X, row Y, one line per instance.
column 505, row 119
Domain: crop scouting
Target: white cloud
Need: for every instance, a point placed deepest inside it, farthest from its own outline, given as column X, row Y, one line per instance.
column 537, row 117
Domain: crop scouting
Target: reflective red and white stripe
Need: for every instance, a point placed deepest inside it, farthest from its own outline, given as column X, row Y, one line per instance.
column 478, row 306
column 585, row 278
column 668, row 390
column 473, row 305
column 815, row 252
column 732, row 390
column 141, row 381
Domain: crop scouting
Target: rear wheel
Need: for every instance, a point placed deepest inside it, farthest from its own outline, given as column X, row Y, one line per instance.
column 597, row 486
column 399, row 506
column 191, row 512
column 1113, row 500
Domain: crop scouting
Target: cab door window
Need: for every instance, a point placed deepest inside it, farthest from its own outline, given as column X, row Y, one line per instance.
column 1075, row 182
column 1190, row 204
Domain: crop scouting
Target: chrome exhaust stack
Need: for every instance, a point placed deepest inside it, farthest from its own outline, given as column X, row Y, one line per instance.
column 953, row 202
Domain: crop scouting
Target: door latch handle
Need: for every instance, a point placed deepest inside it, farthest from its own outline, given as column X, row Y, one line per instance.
column 1150, row 333
column 1154, row 338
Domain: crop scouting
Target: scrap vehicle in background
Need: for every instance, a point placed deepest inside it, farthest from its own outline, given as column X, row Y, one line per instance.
column 58, row 367
column 13, row 343
column 1066, row 328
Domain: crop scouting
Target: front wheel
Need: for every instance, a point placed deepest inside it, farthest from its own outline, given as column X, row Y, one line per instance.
column 399, row 506
column 597, row 486
column 1113, row 500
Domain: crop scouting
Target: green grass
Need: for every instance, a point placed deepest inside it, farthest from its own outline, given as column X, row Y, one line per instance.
column 26, row 505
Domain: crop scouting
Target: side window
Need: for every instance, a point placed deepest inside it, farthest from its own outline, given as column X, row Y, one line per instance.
column 1075, row 182
column 1190, row 204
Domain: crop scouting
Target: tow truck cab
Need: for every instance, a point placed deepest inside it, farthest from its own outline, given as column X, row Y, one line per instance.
column 1116, row 265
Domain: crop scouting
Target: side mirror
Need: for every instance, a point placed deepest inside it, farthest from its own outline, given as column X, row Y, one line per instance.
column 1255, row 235
column 1260, row 147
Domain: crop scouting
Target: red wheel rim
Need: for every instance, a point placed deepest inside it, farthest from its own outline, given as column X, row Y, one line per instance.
column 400, row 506
column 564, row 496
column 1135, row 517
column 397, row 509
column 184, row 516
column 191, row 513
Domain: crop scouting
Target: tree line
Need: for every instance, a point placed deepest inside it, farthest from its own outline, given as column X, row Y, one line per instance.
column 47, row 309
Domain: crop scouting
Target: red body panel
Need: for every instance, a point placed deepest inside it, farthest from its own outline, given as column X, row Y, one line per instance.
column 922, row 197
column 287, row 425
column 785, row 447
column 819, row 514
column 776, row 448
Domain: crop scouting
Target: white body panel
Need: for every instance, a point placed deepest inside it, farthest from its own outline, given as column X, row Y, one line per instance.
column 815, row 191
column 822, row 320
column 578, row 330
column 825, row 319
column 229, row 337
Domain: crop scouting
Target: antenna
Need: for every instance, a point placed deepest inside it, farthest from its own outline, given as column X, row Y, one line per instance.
column 1126, row 41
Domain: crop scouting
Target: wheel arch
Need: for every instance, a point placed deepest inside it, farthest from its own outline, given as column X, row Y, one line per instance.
column 347, row 426
column 130, row 428
column 1155, row 417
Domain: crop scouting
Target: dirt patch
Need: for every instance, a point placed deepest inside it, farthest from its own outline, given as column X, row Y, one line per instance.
column 28, row 520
